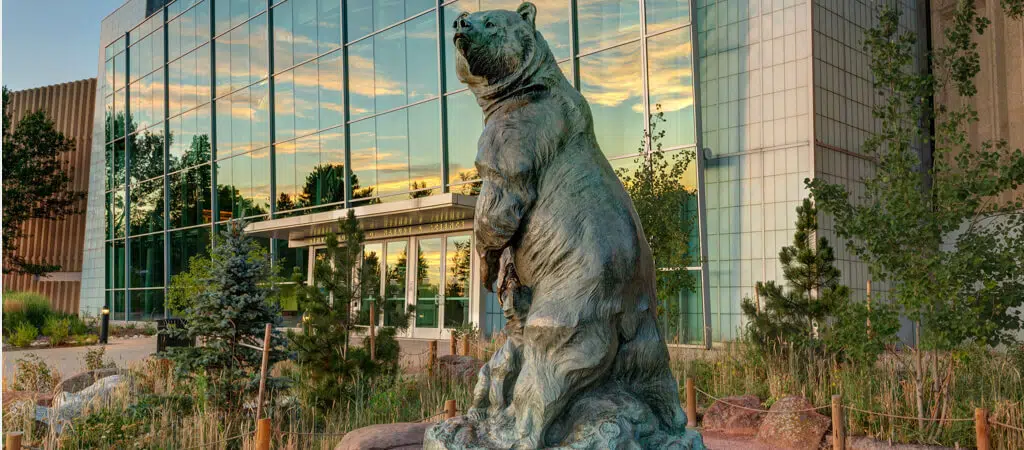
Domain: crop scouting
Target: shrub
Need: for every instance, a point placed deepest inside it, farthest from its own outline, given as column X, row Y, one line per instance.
column 94, row 359
column 12, row 321
column 57, row 330
column 32, row 374
column 77, row 325
column 24, row 335
column 36, row 307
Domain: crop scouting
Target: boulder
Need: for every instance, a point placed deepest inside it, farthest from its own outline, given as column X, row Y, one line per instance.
column 788, row 425
column 722, row 416
column 389, row 436
column 459, row 366
column 85, row 379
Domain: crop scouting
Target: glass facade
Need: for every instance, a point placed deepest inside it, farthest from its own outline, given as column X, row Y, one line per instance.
column 269, row 109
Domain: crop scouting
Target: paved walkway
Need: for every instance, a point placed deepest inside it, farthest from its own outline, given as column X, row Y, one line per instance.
column 70, row 360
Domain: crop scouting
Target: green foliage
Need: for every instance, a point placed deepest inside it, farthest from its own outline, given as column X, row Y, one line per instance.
column 854, row 339
column 57, row 329
column 190, row 284
column 24, row 335
column 234, row 313
column 36, row 183
column 31, row 306
column 76, row 325
column 323, row 349
column 665, row 205
column 33, row 374
column 948, row 239
column 798, row 318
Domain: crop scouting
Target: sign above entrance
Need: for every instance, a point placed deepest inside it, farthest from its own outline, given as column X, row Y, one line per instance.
column 434, row 214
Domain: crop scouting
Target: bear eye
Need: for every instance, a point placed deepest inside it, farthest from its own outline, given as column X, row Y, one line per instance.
column 488, row 24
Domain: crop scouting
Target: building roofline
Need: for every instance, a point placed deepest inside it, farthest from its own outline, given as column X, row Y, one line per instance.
column 55, row 84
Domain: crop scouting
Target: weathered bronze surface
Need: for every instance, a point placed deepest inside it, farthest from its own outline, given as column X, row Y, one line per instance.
column 584, row 365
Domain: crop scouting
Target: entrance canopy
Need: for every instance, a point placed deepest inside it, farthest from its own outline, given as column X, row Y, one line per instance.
column 427, row 215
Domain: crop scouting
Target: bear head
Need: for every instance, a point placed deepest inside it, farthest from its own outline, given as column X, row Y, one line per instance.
column 498, row 48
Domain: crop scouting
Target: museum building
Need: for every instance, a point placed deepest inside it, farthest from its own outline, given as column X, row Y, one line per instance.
column 288, row 114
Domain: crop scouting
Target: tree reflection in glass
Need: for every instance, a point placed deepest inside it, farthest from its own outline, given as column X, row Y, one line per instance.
column 456, row 283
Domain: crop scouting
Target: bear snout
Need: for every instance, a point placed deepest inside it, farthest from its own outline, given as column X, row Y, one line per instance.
column 462, row 23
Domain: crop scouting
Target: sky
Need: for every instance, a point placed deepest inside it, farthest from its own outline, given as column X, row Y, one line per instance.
column 51, row 41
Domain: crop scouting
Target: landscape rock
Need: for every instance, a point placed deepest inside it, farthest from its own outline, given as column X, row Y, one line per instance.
column 69, row 405
column 793, row 430
column 459, row 367
column 730, row 419
column 390, row 436
column 85, row 379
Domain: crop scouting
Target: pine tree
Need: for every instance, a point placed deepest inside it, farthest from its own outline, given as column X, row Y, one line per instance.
column 796, row 317
column 235, row 312
column 328, row 362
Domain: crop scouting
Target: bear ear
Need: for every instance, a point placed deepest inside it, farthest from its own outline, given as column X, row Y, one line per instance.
column 528, row 12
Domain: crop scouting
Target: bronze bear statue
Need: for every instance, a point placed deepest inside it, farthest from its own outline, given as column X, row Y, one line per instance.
column 584, row 365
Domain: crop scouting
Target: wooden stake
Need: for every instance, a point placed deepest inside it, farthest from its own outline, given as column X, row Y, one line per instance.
column 14, row 441
column 981, row 429
column 465, row 345
column 431, row 357
column 373, row 333
column 263, row 372
column 263, row 434
column 451, row 345
column 838, row 424
column 449, row 409
column 691, row 403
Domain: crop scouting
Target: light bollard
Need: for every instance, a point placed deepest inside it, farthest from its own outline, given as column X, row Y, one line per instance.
column 104, row 324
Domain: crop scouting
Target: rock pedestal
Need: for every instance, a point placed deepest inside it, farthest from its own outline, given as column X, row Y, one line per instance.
column 391, row 436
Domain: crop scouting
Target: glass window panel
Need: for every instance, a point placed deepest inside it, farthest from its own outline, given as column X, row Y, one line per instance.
column 108, row 122
column 389, row 65
column 138, row 116
column 223, row 57
column 259, row 102
column 241, row 122
column 190, row 197
column 260, row 182
column 425, row 149
column 393, row 153
column 175, row 88
column 108, row 159
column 603, row 23
column 240, row 69
column 330, row 86
column 147, row 207
column 450, row 12
column 120, row 71
column 259, row 51
column 283, row 36
column 284, row 106
column 307, row 164
column 421, row 58
column 611, row 82
column 226, row 192
column 201, row 16
column 120, row 100
column 146, row 304
column 241, row 175
column 284, row 176
column 682, row 317
column 566, row 68
column 387, row 12
column 146, row 258
column 203, row 79
column 115, row 264
column 304, row 23
column 117, row 307
column 147, row 155
column 670, row 80
column 428, row 282
column 361, row 82
column 664, row 14
column 117, row 213
column 457, row 276
column 465, row 124
column 395, row 281
column 358, row 19
column 328, row 25
column 291, row 260
column 184, row 244
column 364, row 160
column 224, row 132
column 307, row 108
column 118, row 166
column 370, row 274
column 332, row 167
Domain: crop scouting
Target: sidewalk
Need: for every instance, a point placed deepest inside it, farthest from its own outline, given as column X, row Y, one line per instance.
column 69, row 360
